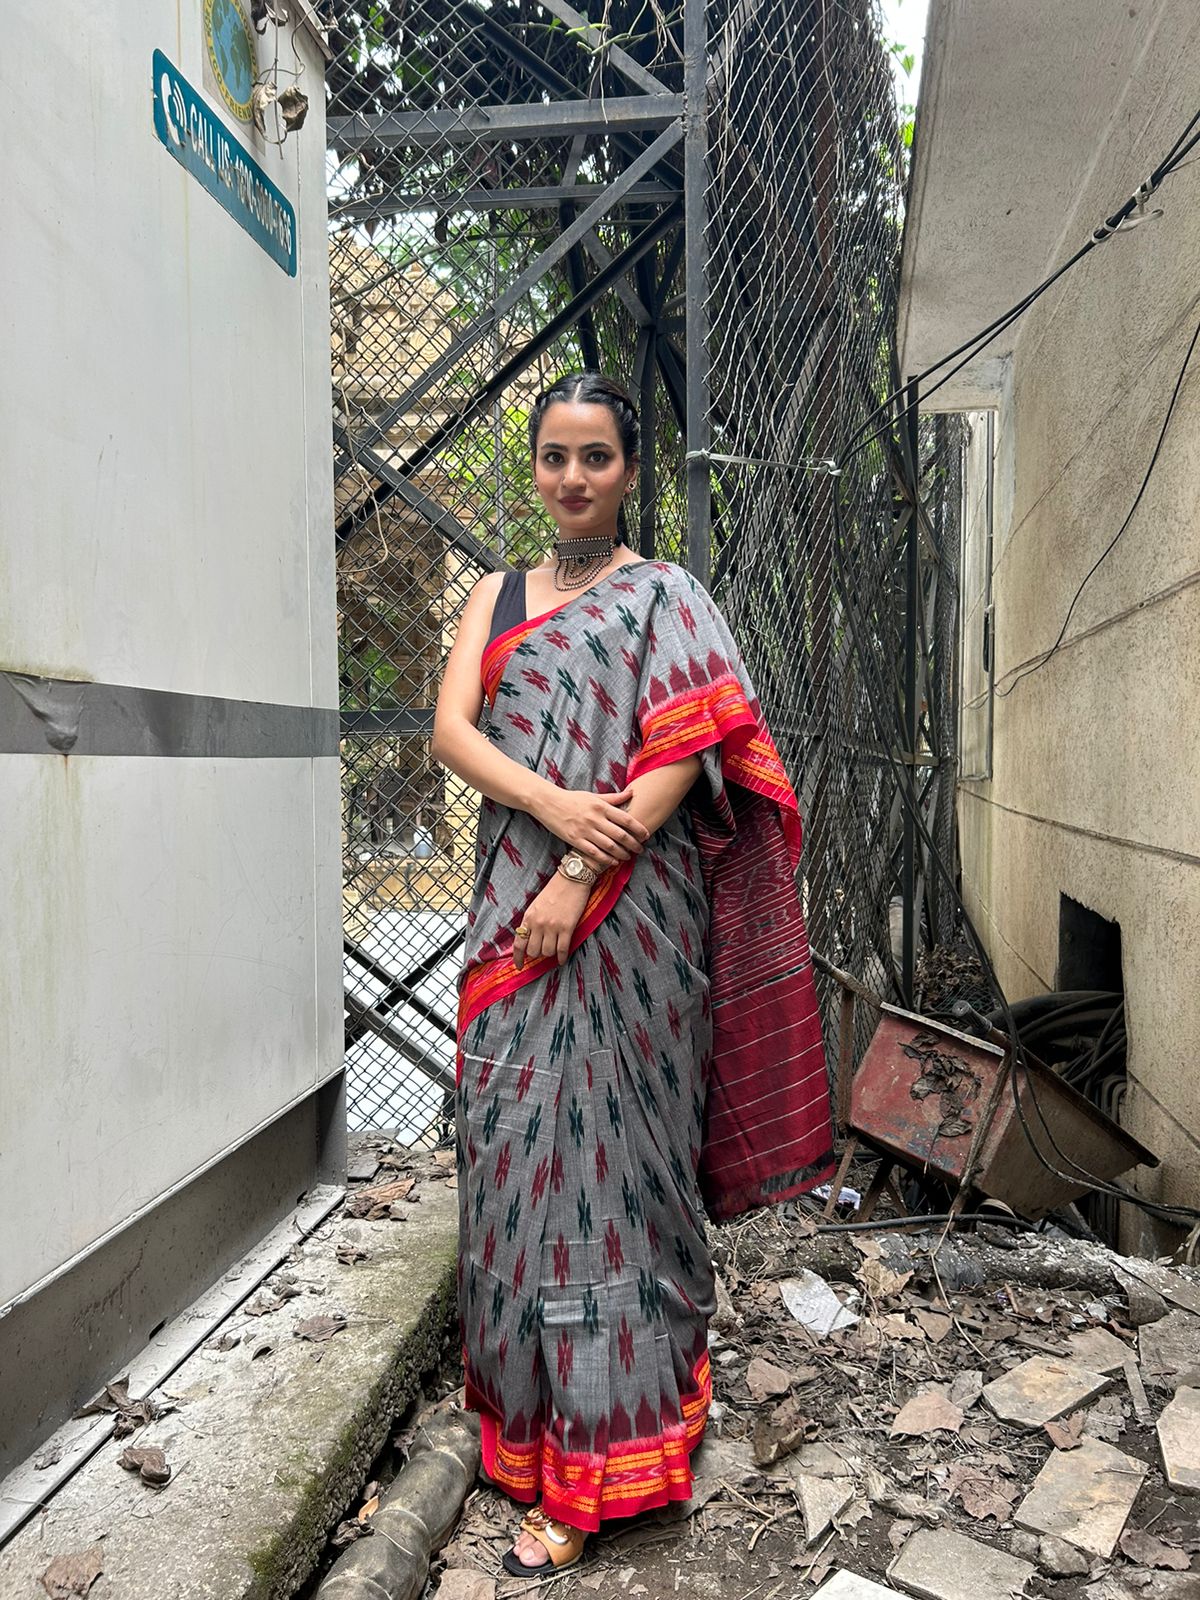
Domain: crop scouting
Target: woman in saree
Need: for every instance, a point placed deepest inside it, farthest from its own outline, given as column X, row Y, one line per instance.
column 638, row 1035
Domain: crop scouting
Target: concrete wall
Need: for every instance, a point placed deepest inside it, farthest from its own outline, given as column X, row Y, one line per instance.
column 170, row 976
column 1095, row 786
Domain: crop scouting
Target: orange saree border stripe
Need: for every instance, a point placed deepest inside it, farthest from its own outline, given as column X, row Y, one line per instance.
column 498, row 653
column 582, row 1488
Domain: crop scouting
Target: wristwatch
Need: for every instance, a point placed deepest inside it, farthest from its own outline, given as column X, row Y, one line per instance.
column 574, row 867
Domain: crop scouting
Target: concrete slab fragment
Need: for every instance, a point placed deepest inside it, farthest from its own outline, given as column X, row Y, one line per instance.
column 268, row 1448
column 1040, row 1389
column 1169, row 1347
column 1098, row 1350
column 939, row 1565
column 821, row 1500
column 849, row 1586
column 1084, row 1496
column 1179, row 1440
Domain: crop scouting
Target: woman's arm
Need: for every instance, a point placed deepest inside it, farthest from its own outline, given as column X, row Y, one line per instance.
column 553, row 914
column 659, row 793
column 592, row 823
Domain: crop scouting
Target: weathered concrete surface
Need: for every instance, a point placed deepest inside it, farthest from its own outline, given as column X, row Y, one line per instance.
column 1040, row 1389
column 1084, row 1496
column 1179, row 1440
column 267, row 1449
column 939, row 1564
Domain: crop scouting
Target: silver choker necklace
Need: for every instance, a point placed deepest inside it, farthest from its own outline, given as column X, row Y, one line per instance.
column 580, row 560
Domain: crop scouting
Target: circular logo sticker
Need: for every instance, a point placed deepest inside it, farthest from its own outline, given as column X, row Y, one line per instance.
column 230, row 53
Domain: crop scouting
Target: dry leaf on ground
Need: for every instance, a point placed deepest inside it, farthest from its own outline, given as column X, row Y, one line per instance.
column 376, row 1200
column 1067, row 1432
column 319, row 1328
column 1148, row 1550
column 148, row 1461
column 73, row 1574
column 928, row 1413
column 765, row 1380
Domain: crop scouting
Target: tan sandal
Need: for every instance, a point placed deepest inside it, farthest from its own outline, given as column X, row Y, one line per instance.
column 562, row 1544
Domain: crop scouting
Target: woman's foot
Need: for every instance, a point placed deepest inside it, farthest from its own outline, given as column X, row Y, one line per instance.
column 544, row 1544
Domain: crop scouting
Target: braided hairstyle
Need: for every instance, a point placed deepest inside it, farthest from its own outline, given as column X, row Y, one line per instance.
column 592, row 388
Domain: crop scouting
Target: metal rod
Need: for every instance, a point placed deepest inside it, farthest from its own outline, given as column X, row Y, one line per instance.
column 390, row 130
column 695, row 178
column 912, row 710
column 431, row 510
column 401, row 720
column 544, row 198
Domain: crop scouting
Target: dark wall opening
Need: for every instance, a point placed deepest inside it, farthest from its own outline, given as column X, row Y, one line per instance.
column 1089, row 958
column 1089, row 949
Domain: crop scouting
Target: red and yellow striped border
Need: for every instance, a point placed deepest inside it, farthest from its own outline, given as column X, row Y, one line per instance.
column 583, row 1488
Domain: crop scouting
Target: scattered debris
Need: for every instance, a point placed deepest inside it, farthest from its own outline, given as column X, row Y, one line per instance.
column 928, row 1413
column 349, row 1253
column 1041, row 1389
column 940, row 1565
column 73, row 1574
column 130, row 1414
column 318, row 1329
column 148, row 1461
column 814, row 1305
column 1170, row 1348
column 380, row 1200
column 1148, row 1550
column 765, row 1380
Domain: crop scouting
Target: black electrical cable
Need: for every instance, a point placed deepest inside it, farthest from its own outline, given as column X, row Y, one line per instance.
column 1036, row 666
column 979, row 341
column 922, row 1217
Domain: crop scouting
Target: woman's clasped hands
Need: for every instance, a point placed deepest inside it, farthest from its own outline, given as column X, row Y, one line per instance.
column 594, row 824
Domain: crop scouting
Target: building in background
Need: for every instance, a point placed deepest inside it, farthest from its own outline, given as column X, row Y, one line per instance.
column 170, row 999
column 1079, row 790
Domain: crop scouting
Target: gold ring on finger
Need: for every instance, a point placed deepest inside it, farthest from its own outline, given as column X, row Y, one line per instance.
column 521, row 933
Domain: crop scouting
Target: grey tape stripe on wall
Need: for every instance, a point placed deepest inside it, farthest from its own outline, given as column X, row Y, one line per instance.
column 46, row 716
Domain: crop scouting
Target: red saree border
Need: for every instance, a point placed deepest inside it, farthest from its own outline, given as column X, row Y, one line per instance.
column 499, row 651
column 582, row 1488
column 489, row 981
column 720, row 713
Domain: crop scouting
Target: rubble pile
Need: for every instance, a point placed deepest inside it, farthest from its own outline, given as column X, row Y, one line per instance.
column 970, row 1418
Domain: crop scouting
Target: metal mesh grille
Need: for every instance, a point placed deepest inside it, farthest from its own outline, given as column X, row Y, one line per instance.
column 506, row 203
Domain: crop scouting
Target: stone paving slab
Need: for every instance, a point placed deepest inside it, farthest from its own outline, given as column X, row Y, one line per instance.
column 1040, row 1389
column 939, row 1565
column 266, row 1449
column 1084, row 1496
column 1179, row 1439
column 849, row 1586
column 1099, row 1351
column 1170, row 1348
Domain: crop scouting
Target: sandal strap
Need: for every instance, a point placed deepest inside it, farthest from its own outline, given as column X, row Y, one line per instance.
column 559, row 1540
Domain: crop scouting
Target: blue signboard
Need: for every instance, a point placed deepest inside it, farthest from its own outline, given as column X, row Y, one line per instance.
column 203, row 144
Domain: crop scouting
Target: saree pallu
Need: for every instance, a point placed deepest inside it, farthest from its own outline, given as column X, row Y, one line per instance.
column 673, row 1066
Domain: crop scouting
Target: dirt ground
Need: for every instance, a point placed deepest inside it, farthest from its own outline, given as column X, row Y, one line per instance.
column 817, row 1459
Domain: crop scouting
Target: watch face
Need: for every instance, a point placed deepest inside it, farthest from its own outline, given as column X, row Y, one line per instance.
column 574, row 866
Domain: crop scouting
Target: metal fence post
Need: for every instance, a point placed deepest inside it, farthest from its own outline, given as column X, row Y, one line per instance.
column 695, row 180
column 912, row 708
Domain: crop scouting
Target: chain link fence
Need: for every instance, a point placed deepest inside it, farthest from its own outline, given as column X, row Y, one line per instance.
column 509, row 194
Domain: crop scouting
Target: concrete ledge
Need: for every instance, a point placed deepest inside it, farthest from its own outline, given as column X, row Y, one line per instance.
column 266, row 1449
